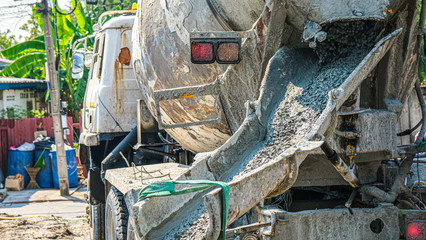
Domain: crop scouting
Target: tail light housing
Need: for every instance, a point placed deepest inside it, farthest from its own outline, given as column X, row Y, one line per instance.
column 415, row 230
column 202, row 52
column 220, row 50
column 228, row 52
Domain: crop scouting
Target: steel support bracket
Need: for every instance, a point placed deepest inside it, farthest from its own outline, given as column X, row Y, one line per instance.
column 188, row 92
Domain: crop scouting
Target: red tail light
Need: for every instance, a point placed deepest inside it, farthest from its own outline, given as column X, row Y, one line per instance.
column 202, row 52
column 416, row 231
column 210, row 50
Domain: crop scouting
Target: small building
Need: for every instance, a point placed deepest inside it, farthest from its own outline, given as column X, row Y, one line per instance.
column 20, row 95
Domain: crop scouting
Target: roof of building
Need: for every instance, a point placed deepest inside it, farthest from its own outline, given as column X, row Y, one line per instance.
column 17, row 83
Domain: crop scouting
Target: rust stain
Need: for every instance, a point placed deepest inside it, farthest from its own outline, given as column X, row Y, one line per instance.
column 124, row 56
column 116, row 78
column 124, row 39
column 122, row 72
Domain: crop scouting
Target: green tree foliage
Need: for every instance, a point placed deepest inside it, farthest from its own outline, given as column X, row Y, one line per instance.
column 32, row 27
column 15, row 112
column 7, row 40
column 422, row 55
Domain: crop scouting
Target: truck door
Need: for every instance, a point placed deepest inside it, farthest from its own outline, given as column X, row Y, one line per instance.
column 90, row 99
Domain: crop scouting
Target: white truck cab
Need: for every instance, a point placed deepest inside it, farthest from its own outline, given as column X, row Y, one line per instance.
column 109, row 107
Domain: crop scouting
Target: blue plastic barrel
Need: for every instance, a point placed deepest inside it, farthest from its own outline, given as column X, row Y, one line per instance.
column 18, row 161
column 71, row 167
column 44, row 177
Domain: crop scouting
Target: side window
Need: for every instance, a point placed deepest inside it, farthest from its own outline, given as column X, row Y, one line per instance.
column 97, row 57
column 101, row 54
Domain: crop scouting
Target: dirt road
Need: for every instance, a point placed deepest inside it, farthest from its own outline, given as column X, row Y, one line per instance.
column 48, row 227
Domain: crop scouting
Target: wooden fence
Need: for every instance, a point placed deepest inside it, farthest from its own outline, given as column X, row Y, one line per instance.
column 15, row 132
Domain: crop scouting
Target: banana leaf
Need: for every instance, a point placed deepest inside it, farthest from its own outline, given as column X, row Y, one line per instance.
column 24, row 48
column 39, row 38
column 65, row 29
column 22, row 61
column 26, row 70
column 79, row 14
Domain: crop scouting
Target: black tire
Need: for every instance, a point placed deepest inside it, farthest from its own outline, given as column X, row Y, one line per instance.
column 116, row 216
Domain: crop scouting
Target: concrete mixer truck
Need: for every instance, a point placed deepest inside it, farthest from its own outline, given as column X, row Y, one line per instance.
column 252, row 119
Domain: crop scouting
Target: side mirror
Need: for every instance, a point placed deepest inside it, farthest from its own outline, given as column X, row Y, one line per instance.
column 77, row 66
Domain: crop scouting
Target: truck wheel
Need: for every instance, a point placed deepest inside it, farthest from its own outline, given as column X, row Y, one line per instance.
column 116, row 216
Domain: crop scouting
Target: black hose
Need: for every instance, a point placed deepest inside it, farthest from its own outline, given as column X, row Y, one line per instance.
column 124, row 146
column 410, row 130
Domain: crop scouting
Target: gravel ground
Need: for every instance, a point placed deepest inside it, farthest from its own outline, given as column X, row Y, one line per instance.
column 47, row 227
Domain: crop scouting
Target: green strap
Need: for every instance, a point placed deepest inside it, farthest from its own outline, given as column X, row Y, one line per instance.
column 167, row 188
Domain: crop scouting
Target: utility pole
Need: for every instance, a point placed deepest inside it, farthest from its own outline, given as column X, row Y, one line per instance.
column 54, row 94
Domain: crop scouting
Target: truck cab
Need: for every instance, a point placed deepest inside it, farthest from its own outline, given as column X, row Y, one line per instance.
column 109, row 108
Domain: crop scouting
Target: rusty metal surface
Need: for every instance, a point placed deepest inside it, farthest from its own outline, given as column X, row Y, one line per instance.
column 14, row 132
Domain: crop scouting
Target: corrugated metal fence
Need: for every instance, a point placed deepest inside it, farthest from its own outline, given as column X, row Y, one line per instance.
column 14, row 132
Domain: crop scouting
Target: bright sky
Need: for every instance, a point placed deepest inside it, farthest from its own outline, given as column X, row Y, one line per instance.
column 15, row 13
